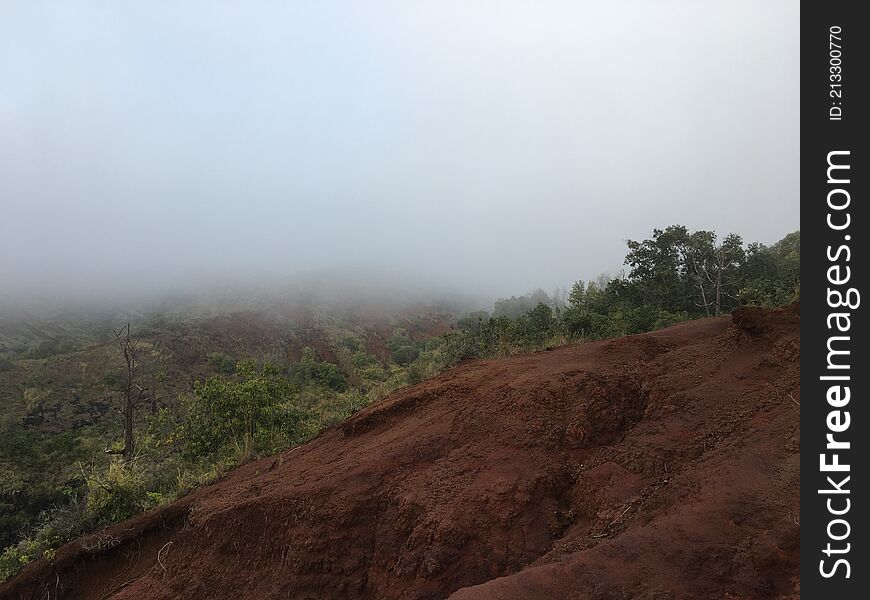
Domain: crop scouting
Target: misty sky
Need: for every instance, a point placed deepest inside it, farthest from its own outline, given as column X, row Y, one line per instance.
column 497, row 146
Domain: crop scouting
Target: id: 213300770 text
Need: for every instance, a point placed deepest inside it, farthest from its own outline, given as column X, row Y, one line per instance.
column 835, row 62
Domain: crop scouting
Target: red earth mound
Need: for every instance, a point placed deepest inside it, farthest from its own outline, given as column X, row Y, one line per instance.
column 655, row 466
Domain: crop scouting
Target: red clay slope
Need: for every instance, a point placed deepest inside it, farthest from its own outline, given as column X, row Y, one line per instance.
column 656, row 466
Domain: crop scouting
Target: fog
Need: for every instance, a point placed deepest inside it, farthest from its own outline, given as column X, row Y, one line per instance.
column 484, row 147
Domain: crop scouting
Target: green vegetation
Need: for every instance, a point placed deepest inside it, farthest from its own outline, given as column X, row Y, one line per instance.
column 222, row 363
column 214, row 402
column 256, row 411
column 57, row 484
column 675, row 275
column 309, row 371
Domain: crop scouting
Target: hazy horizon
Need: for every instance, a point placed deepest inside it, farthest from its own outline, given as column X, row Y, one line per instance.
column 176, row 147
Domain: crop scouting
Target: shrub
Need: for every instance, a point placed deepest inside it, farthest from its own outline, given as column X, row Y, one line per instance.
column 402, row 349
column 415, row 374
column 353, row 344
column 57, row 526
column 60, row 524
column 310, row 371
column 222, row 363
column 118, row 494
column 404, row 355
column 49, row 348
column 115, row 380
column 14, row 558
column 252, row 411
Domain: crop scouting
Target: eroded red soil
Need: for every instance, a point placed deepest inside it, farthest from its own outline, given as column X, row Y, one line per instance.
column 656, row 466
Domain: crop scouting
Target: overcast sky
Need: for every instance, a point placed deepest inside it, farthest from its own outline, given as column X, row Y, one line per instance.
column 496, row 146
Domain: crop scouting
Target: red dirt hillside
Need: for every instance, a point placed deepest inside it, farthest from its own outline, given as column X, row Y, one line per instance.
column 658, row 466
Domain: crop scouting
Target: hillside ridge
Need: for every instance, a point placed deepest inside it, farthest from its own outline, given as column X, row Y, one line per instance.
column 661, row 465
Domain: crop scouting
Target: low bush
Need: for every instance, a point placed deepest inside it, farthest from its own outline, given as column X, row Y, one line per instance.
column 118, row 493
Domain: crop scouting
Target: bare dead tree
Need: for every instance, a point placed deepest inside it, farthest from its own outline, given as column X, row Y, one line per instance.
column 710, row 267
column 133, row 392
column 705, row 304
column 722, row 261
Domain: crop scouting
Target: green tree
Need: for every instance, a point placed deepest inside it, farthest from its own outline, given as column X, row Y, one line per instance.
column 542, row 319
column 402, row 349
column 771, row 274
column 680, row 271
column 310, row 371
column 255, row 409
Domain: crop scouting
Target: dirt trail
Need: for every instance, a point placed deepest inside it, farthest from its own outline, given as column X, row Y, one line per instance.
column 656, row 466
